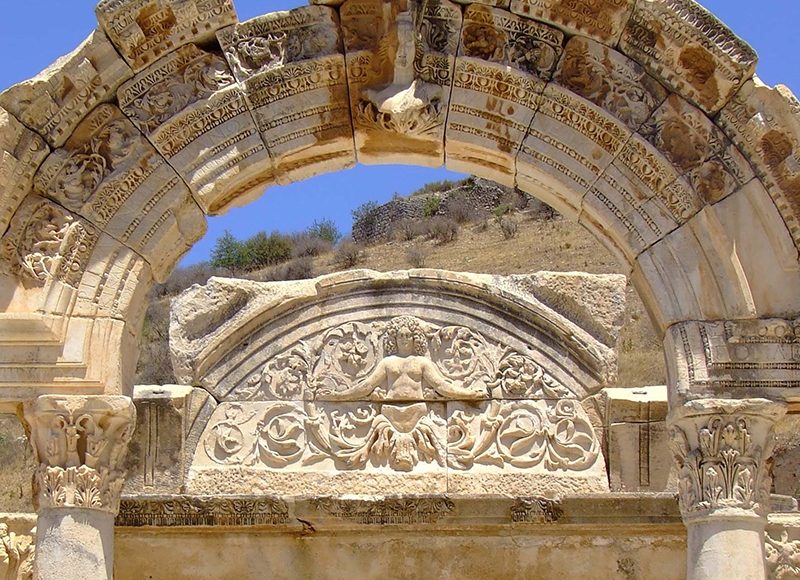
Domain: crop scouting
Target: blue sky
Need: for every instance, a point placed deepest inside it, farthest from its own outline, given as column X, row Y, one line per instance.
column 34, row 33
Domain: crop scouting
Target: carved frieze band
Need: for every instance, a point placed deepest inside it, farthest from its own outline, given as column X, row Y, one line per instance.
column 387, row 511
column 79, row 444
column 171, row 511
column 721, row 356
column 723, row 449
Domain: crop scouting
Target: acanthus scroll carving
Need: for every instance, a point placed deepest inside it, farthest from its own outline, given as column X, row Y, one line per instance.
column 724, row 463
column 782, row 557
column 403, row 359
column 79, row 443
column 16, row 554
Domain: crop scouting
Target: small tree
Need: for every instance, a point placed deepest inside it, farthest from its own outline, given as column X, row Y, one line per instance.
column 268, row 250
column 325, row 230
column 365, row 213
column 229, row 253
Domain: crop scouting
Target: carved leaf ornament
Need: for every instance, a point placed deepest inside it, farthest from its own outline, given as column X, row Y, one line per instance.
column 392, row 373
column 726, row 471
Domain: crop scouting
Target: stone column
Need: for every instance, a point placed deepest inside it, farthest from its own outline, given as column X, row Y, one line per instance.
column 79, row 443
column 723, row 449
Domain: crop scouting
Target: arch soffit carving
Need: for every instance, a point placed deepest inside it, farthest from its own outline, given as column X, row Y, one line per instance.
column 645, row 122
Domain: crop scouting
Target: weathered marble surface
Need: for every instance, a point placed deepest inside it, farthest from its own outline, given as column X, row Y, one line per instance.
column 425, row 381
column 642, row 120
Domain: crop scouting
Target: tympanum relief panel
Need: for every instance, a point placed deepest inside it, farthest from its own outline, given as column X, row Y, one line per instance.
column 403, row 396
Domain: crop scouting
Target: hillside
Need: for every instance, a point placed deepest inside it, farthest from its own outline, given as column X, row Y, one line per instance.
column 541, row 243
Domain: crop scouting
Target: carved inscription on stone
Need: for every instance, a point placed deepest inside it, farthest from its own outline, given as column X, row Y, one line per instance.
column 170, row 511
column 144, row 30
column 108, row 173
column 600, row 19
column 503, row 64
column 536, row 510
column 196, row 116
column 294, row 72
column 388, row 511
column 400, row 67
column 686, row 46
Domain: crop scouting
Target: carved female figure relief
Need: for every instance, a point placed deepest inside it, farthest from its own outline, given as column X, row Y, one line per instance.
column 405, row 371
column 402, row 435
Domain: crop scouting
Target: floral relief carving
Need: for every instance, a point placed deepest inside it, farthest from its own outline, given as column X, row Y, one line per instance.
column 369, row 395
column 610, row 81
column 523, row 434
column 782, row 557
column 16, row 554
column 726, row 469
column 44, row 241
column 264, row 44
column 500, row 37
column 360, row 360
column 191, row 75
column 80, row 448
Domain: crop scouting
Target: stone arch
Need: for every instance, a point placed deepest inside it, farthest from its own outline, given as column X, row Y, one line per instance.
column 643, row 120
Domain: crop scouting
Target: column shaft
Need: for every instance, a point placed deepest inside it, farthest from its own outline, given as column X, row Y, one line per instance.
column 79, row 443
column 723, row 449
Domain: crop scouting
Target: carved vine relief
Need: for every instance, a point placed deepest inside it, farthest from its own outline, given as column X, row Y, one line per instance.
column 782, row 557
column 372, row 397
column 16, row 555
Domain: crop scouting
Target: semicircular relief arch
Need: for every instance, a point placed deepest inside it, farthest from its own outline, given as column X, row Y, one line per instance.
column 645, row 124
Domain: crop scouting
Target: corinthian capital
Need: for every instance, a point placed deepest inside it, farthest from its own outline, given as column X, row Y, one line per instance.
column 724, row 452
column 79, row 443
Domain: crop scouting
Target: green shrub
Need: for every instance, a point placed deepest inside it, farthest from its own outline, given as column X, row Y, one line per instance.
column 267, row 250
column 230, row 253
column 501, row 210
column 431, row 206
column 365, row 213
column 440, row 186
